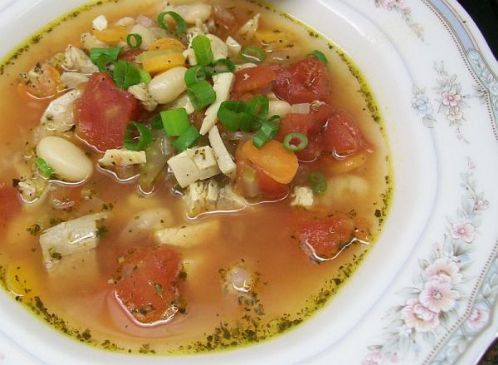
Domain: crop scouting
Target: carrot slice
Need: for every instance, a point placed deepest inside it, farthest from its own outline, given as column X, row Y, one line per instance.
column 112, row 35
column 278, row 163
column 167, row 44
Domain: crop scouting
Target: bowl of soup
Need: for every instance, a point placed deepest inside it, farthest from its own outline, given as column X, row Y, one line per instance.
column 200, row 181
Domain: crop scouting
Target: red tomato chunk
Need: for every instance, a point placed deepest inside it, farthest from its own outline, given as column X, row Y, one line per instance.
column 103, row 112
column 342, row 136
column 303, row 82
column 147, row 280
column 326, row 237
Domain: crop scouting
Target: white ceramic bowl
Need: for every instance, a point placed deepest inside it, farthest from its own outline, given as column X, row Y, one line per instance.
column 382, row 37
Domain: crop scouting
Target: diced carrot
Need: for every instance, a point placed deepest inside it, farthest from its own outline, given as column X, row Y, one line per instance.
column 278, row 163
column 160, row 62
column 111, row 35
column 167, row 43
column 253, row 78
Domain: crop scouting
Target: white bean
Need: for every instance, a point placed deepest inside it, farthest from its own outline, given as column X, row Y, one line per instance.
column 169, row 85
column 147, row 36
column 279, row 107
column 193, row 12
column 68, row 161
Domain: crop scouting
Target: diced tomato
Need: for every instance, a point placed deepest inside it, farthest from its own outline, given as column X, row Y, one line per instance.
column 326, row 237
column 253, row 78
column 103, row 112
column 9, row 203
column 313, row 150
column 303, row 82
column 147, row 282
column 131, row 54
column 309, row 124
column 342, row 136
column 269, row 187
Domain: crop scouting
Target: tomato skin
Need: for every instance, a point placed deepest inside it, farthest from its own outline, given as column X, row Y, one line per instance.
column 9, row 203
column 303, row 82
column 103, row 112
column 147, row 282
column 342, row 136
column 325, row 237
column 253, row 78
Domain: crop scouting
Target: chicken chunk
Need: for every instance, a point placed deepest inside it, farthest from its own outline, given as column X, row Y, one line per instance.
column 59, row 115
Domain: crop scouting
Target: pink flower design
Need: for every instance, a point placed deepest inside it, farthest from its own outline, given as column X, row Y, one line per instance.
column 465, row 231
column 438, row 296
column 481, row 205
column 419, row 317
column 451, row 98
column 444, row 269
column 479, row 318
column 454, row 114
column 374, row 357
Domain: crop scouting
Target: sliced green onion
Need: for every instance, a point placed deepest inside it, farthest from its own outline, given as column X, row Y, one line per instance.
column 202, row 48
column 318, row 183
column 145, row 77
column 320, row 56
column 295, row 142
column 267, row 132
column 181, row 25
column 259, row 106
column 44, row 167
column 175, row 122
column 187, row 139
column 220, row 66
column 194, row 75
column 134, row 40
column 201, row 95
column 102, row 57
column 156, row 122
column 253, row 54
column 139, row 143
column 233, row 116
column 126, row 74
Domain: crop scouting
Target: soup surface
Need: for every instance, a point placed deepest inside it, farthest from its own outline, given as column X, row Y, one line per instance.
column 184, row 177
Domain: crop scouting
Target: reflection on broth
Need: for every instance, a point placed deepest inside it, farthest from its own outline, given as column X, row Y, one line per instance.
column 184, row 178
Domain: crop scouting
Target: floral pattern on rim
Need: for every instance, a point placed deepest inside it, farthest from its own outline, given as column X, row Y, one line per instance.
column 422, row 104
column 477, row 319
column 404, row 10
column 487, row 90
column 450, row 98
column 434, row 299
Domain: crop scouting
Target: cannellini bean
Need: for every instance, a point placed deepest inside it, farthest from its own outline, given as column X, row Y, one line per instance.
column 147, row 36
column 193, row 12
column 169, row 85
column 279, row 107
column 146, row 221
column 124, row 22
column 67, row 160
column 343, row 188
